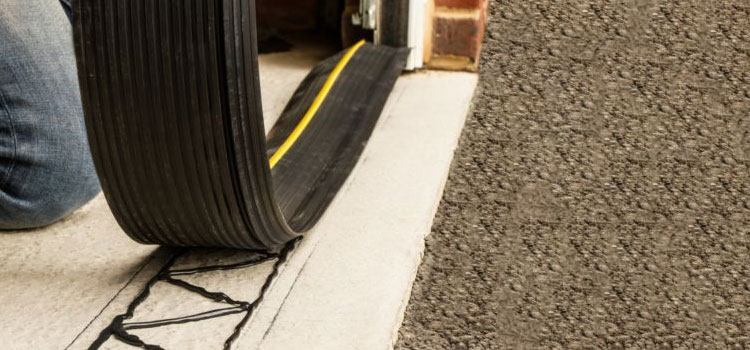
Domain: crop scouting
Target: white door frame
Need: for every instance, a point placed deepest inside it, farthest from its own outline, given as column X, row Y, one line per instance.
column 417, row 18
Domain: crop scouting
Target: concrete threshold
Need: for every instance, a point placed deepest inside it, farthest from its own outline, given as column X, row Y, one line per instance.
column 346, row 285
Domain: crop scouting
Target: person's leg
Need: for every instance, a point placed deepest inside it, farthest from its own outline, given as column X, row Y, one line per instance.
column 46, row 170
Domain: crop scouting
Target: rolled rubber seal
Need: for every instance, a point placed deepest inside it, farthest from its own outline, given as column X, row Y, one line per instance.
column 172, row 105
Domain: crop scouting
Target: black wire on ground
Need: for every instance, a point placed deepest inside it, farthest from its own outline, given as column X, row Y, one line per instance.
column 119, row 327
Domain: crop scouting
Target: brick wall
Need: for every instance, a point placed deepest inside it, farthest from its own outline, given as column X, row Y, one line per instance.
column 456, row 35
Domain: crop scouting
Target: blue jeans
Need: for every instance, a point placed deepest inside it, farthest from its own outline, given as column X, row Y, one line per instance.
column 46, row 170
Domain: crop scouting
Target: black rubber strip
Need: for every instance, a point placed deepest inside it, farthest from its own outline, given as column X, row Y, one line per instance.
column 171, row 96
column 394, row 22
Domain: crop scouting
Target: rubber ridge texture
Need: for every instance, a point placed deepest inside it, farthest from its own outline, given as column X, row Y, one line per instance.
column 171, row 97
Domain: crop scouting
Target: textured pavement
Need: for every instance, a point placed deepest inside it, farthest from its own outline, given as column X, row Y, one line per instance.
column 600, row 198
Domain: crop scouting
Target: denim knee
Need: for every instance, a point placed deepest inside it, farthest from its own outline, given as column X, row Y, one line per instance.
column 53, row 193
column 46, row 170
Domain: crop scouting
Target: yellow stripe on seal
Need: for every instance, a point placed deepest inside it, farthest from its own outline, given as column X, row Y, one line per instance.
column 289, row 142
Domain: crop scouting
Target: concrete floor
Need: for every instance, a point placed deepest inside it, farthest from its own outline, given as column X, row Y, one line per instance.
column 600, row 198
column 344, row 287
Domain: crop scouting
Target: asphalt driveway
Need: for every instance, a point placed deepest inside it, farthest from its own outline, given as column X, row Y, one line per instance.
column 600, row 198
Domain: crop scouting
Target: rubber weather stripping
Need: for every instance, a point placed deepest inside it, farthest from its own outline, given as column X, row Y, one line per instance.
column 171, row 98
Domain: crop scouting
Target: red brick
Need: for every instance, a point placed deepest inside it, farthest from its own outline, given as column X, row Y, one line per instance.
column 458, row 36
column 465, row 4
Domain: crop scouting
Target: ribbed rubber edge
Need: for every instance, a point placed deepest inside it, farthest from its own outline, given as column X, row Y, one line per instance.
column 171, row 97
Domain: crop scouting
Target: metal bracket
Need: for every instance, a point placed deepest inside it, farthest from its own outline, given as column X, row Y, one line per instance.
column 367, row 17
